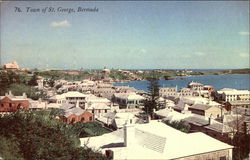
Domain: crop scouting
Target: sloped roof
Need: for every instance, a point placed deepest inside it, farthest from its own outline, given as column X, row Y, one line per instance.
column 129, row 96
column 171, row 114
column 14, row 98
column 66, row 106
column 94, row 99
column 77, row 111
column 176, row 143
column 98, row 106
column 200, row 107
column 199, row 121
column 74, row 94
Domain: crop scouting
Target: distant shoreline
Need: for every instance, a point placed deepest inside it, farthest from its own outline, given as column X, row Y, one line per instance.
column 122, row 76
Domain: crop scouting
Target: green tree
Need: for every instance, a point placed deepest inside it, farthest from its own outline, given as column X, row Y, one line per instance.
column 33, row 80
column 9, row 149
column 180, row 125
column 153, row 95
column 89, row 129
column 6, row 79
column 40, row 136
column 19, row 89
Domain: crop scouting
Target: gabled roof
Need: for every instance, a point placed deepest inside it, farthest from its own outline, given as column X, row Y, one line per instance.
column 76, row 111
column 200, row 107
column 14, row 98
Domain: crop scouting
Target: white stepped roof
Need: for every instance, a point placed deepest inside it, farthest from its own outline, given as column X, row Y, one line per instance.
column 176, row 143
column 99, row 106
column 233, row 91
column 129, row 96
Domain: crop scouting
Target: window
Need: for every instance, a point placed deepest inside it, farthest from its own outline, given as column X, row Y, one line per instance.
column 90, row 118
column 82, row 119
column 73, row 120
column 19, row 106
column 10, row 105
column 2, row 105
column 105, row 110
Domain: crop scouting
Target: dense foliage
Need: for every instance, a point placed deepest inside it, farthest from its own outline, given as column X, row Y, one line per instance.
column 89, row 129
column 241, row 142
column 67, row 75
column 19, row 83
column 153, row 94
column 180, row 125
column 38, row 135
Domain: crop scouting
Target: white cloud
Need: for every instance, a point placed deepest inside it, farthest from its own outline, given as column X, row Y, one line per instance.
column 64, row 23
column 244, row 33
column 244, row 54
column 143, row 50
column 199, row 53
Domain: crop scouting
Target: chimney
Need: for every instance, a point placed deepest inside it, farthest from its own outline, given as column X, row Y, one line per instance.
column 148, row 119
column 10, row 94
column 209, row 121
column 129, row 133
column 24, row 95
column 77, row 104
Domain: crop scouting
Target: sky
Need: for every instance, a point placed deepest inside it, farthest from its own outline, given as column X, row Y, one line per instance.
column 126, row 34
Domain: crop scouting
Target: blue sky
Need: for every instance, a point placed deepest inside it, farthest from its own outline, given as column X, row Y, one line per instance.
column 131, row 35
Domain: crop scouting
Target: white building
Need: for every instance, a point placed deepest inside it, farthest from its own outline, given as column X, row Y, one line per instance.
column 229, row 94
column 155, row 140
column 195, row 85
column 168, row 91
column 128, row 100
column 70, row 97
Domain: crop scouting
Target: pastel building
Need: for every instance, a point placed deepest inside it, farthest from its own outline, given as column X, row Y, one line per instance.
column 11, row 103
column 128, row 100
column 76, row 114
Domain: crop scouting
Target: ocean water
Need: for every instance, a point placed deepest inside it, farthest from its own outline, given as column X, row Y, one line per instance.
column 237, row 81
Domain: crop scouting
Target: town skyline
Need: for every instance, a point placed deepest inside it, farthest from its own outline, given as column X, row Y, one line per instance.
column 126, row 35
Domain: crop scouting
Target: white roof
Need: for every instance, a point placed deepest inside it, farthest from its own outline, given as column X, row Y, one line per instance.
column 68, row 94
column 176, row 143
column 195, row 83
column 74, row 94
column 94, row 99
column 98, row 106
column 37, row 104
column 172, row 115
column 129, row 96
column 53, row 105
column 199, row 100
column 231, row 91
column 77, row 111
